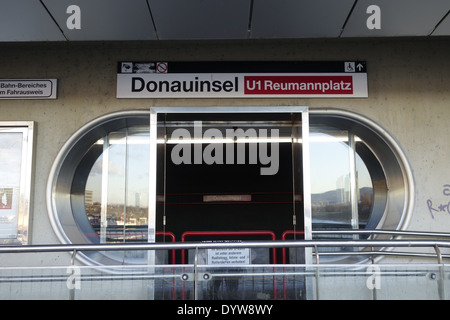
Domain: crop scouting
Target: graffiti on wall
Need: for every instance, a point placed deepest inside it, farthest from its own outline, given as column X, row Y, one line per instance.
column 442, row 206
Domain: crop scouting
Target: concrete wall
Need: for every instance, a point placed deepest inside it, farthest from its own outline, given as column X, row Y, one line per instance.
column 408, row 95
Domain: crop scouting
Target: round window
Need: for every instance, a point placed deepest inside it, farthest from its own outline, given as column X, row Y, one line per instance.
column 360, row 178
column 99, row 183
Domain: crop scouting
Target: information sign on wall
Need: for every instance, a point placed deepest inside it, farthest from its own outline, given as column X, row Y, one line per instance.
column 28, row 88
column 314, row 79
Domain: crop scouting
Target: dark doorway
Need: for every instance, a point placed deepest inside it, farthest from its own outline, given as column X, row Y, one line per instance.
column 212, row 187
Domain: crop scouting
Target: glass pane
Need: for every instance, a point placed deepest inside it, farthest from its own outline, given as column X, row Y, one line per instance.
column 10, row 178
column 117, row 187
column 206, row 282
column 332, row 172
column 365, row 190
column 114, row 211
column 379, row 282
column 137, row 185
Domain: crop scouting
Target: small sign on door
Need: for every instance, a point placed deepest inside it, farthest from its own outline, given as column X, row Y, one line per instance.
column 228, row 256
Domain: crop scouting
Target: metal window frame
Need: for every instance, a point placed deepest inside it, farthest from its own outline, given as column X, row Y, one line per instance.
column 57, row 178
column 63, row 219
column 392, row 158
column 26, row 179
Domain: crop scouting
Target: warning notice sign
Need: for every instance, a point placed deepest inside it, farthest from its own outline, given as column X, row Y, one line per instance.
column 229, row 256
column 346, row 79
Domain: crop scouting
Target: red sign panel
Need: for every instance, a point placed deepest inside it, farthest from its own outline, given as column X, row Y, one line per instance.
column 285, row 85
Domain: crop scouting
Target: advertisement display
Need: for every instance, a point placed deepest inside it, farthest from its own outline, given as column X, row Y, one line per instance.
column 10, row 178
column 8, row 213
column 16, row 142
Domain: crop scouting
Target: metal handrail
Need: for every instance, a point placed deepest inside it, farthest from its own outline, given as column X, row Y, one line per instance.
column 384, row 232
column 244, row 244
column 432, row 244
column 431, row 248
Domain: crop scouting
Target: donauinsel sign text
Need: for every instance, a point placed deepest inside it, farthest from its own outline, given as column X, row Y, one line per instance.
column 316, row 79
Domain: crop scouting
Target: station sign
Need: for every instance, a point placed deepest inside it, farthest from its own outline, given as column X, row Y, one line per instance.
column 244, row 79
column 28, row 88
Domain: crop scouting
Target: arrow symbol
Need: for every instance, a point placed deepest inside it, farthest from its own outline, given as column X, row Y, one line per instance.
column 359, row 66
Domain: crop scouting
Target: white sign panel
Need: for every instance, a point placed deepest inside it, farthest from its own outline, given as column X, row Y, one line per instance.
column 28, row 88
column 229, row 256
column 160, row 80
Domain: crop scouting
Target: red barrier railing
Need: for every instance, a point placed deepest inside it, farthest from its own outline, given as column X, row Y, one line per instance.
column 229, row 233
column 170, row 235
column 283, row 237
column 283, row 254
column 233, row 233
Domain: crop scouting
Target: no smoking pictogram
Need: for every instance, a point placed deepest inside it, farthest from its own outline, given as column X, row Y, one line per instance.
column 161, row 67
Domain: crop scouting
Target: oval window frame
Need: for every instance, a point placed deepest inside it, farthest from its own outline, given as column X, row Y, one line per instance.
column 387, row 149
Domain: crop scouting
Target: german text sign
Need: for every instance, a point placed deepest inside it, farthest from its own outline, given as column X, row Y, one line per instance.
column 344, row 79
column 229, row 256
column 28, row 88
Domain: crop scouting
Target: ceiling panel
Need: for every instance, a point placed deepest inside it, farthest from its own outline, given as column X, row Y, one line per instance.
column 443, row 29
column 398, row 18
column 201, row 19
column 299, row 19
column 102, row 20
column 27, row 20
column 105, row 19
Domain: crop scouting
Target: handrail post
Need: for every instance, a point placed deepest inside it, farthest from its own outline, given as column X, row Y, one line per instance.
column 195, row 274
column 317, row 273
column 317, row 254
column 438, row 254
column 74, row 254
column 441, row 273
column 374, row 290
column 72, row 287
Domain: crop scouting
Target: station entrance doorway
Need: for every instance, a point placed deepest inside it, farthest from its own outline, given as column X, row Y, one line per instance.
column 229, row 174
